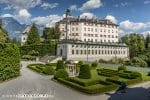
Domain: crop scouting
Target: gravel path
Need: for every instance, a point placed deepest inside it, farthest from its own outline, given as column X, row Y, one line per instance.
column 33, row 83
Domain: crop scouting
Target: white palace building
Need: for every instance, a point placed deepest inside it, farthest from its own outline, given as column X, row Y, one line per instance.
column 90, row 40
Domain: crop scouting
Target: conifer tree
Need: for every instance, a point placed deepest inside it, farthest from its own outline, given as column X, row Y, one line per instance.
column 33, row 36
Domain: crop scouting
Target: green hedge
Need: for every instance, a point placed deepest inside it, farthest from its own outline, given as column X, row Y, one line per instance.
column 49, row 70
column 9, row 61
column 61, row 73
column 94, row 89
column 83, row 83
column 42, row 49
column 85, row 72
column 32, row 67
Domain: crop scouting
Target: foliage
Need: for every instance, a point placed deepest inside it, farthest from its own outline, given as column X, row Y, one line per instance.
column 49, row 70
column 33, row 53
column 122, row 68
column 61, row 73
column 135, row 43
column 83, row 82
column 147, row 41
column 93, row 89
column 148, row 74
column 42, row 49
column 60, row 65
column 33, row 36
column 50, row 34
column 80, row 63
column 138, row 62
column 3, row 36
column 9, row 61
column 85, row 72
column 28, row 57
column 94, row 64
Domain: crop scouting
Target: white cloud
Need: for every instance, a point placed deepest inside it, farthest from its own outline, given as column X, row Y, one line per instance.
column 24, row 13
column 147, row 2
column 73, row 7
column 132, row 26
column 124, row 4
column 7, row 15
column 111, row 18
column 49, row 5
column 88, row 15
column 23, row 16
column 47, row 21
column 21, row 4
column 91, row 4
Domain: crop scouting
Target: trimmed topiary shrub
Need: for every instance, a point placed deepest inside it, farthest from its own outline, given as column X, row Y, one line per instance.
column 122, row 68
column 85, row 72
column 148, row 74
column 49, row 70
column 94, row 64
column 61, row 73
column 60, row 65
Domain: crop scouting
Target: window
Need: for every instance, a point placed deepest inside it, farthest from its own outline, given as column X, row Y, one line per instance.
column 96, row 52
column 84, row 29
column 76, row 29
column 77, row 52
column 81, row 52
column 84, row 51
column 72, row 52
column 72, row 29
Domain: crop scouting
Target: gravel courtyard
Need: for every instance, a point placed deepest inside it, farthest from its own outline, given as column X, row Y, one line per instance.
column 33, row 83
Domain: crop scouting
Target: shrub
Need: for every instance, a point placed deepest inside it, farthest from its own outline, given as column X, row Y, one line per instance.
column 32, row 67
column 42, row 49
column 148, row 74
column 122, row 68
column 60, row 65
column 94, row 64
column 9, row 61
column 89, row 89
column 85, row 72
column 113, row 80
column 80, row 63
column 33, row 53
column 83, row 83
column 138, row 62
column 61, row 73
column 28, row 57
column 48, row 70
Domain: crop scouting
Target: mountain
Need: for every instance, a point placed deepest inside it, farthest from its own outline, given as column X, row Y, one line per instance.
column 13, row 27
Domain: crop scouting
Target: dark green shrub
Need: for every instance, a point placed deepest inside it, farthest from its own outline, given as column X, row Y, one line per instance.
column 49, row 70
column 60, row 65
column 80, row 63
column 61, row 73
column 148, row 74
column 122, row 68
column 28, row 57
column 138, row 62
column 32, row 67
column 33, row 53
column 136, row 74
column 9, row 61
column 113, row 80
column 94, row 64
column 85, row 72
column 83, row 83
column 42, row 49
column 94, row 89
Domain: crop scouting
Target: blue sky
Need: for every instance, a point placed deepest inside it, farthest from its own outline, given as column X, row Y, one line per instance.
column 131, row 15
